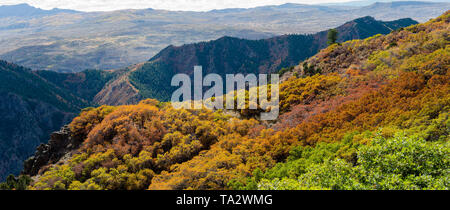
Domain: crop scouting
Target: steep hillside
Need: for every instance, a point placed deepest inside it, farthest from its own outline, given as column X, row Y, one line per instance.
column 85, row 84
column 30, row 108
column 73, row 42
column 229, row 55
column 119, row 90
column 366, row 114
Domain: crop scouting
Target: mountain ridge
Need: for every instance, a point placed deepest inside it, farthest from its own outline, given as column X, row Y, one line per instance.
column 27, row 11
column 229, row 55
column 113, row 40
column 150, row 79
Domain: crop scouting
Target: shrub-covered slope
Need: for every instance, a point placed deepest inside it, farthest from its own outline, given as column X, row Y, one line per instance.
column 364, row 114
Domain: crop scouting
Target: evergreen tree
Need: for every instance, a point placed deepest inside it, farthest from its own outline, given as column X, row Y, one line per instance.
column 332, row 36
column 13, row 183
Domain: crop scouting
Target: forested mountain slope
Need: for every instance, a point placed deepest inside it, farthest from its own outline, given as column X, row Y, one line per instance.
column 30, row 108
column 85, row 84
column 230, row 55
column 364, row 114
column 225, row 55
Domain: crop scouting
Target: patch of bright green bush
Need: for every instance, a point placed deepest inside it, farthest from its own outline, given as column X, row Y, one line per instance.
column 397, row 163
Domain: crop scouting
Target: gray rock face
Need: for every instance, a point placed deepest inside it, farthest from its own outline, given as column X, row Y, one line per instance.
column 60, row 143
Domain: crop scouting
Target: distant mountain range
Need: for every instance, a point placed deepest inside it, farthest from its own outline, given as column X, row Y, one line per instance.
column 27, row 11
column 369, row 2
column 71, row 41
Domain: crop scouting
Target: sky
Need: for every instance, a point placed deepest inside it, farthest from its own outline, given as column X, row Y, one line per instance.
column 190, row 5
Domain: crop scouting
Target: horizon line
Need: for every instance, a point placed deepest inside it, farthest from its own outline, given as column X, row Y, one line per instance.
column 236, row 8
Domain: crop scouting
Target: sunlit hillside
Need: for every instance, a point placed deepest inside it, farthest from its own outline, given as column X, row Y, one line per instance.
column 363, row 114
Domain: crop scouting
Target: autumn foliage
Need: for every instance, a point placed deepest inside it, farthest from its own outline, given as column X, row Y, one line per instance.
column 370, row 96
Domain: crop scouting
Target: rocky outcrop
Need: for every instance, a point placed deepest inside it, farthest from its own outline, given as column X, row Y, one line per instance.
column 60, row 143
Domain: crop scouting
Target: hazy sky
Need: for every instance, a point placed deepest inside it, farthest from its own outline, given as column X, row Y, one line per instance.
column 192, row 5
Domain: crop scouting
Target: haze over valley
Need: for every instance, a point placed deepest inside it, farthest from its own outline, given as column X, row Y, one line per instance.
column 72, row 41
